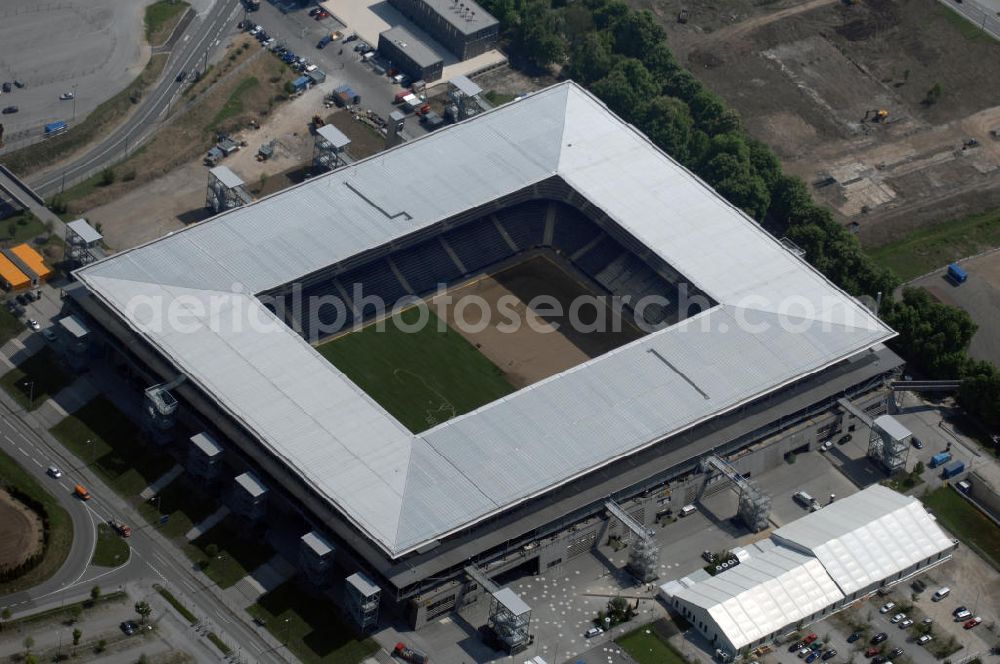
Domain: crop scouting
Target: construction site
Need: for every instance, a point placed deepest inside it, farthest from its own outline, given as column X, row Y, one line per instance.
column 888, row 110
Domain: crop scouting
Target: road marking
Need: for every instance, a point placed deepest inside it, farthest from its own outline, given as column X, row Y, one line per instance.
column 223, row 618
column 21, row 450
column 37, row 462
column 186, row 37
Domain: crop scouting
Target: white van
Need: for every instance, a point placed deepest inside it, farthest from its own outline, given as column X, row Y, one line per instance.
column 803, row 498
column 941, row 593
column 688, row 510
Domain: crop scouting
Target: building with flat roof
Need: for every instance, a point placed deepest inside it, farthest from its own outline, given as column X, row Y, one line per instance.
column 814, row 566
column 410, row 55
column 464, row 28
column 553, row 171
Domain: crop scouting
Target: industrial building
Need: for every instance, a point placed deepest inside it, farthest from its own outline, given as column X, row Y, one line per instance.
column 22, row 267
column 534, row 478
column 461, row 26
column 814, row 566
column 410, row 55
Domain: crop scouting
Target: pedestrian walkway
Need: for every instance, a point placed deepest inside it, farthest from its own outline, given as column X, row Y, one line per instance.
column 161, row 483
column 211, row 521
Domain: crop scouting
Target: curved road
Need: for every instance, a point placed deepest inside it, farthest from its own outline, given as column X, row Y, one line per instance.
column 202, row 35
column 26, row 448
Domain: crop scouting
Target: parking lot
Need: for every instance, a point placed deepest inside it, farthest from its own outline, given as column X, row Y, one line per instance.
column 90, row 48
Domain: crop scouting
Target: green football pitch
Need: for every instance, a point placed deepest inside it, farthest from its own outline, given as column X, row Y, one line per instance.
column 422, row 378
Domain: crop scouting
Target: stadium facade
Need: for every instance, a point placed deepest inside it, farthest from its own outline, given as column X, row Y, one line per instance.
column 520, row 482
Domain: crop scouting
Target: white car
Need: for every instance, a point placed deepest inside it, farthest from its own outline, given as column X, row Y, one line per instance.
column 924, row 639
column 593, row 631
column 898, row 618
column 826, row 446
column 906, row 623
column 963, row 614
column 33, row 324
column 66, row 96
column 887, row 607
column 54, row 472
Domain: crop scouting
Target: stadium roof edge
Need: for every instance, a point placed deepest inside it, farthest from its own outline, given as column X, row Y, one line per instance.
column 410, row 489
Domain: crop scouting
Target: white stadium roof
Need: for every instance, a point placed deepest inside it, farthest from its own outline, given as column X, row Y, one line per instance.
column 407, row 490
column 814, row 562
column 867, row 537
column 774, row 588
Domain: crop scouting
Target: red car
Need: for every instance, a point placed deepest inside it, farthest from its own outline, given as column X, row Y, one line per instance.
column 320, row 15
column 809, row 639
column 872, row 651
column 972, row 622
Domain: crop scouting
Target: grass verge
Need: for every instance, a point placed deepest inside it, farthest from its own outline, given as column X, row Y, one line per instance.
column 217, row 642
column 101, row 435
column 234, row 103
column 931, row 248
column 646, row 647
column 67, row 611
column 10, row 326
column 57, row 524
column 174, row 602
column 100, row 121
column 967, row 28
column 226, row 554
column 312, row 629
column 161, row 18
column 968, row 524
column 36, row 379
column 111, row 549
column 23, row 227
column 423, row 377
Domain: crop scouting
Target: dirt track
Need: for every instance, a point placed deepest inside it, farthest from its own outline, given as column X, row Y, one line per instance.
column 20, row 531
column 548, row 345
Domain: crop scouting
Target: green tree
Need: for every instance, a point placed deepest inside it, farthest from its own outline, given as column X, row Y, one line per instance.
column 95, row 593
column 932, row 335
column 933, row 95
column 212, row 550
column 143, row 609
column 537, row 37
column 30, row 659
column 591, row 58
column 75, row 612
column 101, row 646
column 107, row 177
column 667, row 121
column 29, row 643
column 626, row 88
column 637, row 33
column 77, row 634
column 5, row 616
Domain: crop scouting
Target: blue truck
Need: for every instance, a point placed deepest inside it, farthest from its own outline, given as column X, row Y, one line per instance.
column 53, row 128
column 953, row 469
column 957, row 274
column 940, row 459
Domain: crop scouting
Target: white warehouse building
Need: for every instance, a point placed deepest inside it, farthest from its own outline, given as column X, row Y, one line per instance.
column 810, row 568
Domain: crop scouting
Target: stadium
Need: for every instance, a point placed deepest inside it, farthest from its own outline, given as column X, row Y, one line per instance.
column 430, row 456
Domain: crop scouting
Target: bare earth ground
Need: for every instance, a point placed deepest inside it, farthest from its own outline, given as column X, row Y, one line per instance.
column 20, row 531
column 545, row 346
column 804, row 74
column 980, row 296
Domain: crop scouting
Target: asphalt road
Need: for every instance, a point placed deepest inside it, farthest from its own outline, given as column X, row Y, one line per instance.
column 985, row 14
column 203, row 34
column 22, row 444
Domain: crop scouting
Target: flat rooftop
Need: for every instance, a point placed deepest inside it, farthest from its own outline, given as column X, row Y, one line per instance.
column 467, row 17
column 410, row 44
column 777, row 320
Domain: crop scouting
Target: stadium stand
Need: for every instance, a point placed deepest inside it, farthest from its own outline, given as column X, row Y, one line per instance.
column 426, row 265
column 480, row 243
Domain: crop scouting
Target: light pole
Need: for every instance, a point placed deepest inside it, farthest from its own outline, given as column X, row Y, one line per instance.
column 285, row 642
column 90, row 442
column 74, row 102
column 30, row 384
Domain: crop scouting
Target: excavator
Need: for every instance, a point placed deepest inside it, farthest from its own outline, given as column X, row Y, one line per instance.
column 877, row 115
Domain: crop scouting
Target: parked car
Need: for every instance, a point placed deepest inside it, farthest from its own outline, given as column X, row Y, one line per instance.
column 872, row 651
column 593, row 631
column 18, row 83
column 48, row 334
column 803, row 652
column 813, row 656
column 880, row 659
column 887, row 607
column 958, row 610
column 854, row 637
column 349, row 38
column 54, row 472
column 925, row 639
column 846, row 438
column 964, row 614
column 917, row 444
column 7, row 110
column 829, row 653
column 879, row 638
column 795, row 647
column 895, row 652
column 809, row 639
column 899, row 617
column 33, row 324
column 66, row 96
column 130, row 627
column 972, row 622
column 6, row 87
column 906, row 623
column 181, row 76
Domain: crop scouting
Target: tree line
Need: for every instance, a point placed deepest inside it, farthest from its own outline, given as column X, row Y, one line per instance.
column 621, row 55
